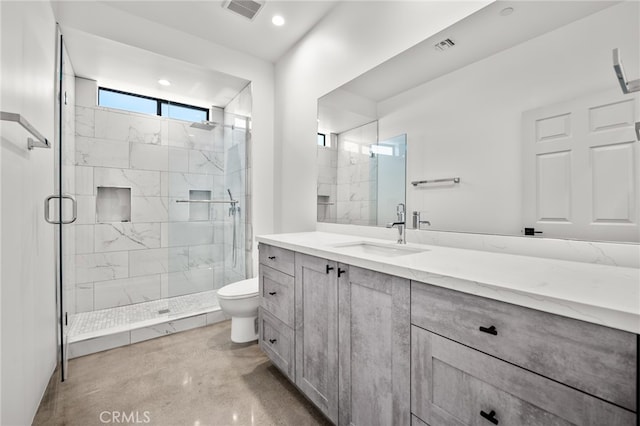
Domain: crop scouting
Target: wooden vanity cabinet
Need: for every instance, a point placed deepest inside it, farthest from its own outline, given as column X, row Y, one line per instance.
column 316, row 331
column 374, row 346
column 276, row 312
column 351, row 335
column 371, row 349
column 473, row 356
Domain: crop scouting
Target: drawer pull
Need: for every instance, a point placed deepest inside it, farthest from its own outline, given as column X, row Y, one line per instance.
column 273, row 293
column 272, row 341
column 490, row 416
column 329, row 268
column 490, row 330
column 272, row 258
column 341, row 271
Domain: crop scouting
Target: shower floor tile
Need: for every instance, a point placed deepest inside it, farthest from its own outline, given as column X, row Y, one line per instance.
column 89, row 325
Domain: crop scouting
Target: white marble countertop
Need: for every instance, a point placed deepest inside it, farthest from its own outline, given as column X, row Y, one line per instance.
column 600, row 294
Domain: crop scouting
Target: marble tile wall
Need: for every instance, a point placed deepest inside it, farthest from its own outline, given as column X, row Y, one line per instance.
column 356, row 190
column 237, row 140
column 160, row 252
column 69, row 186
column 327, row 183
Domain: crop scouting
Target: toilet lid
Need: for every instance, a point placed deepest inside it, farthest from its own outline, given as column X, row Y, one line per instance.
column 240, row 289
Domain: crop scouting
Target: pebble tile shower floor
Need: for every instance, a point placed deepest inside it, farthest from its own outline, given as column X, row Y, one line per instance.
column 87, row 325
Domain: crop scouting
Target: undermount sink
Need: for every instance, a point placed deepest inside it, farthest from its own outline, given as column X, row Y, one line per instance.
column 377, row 249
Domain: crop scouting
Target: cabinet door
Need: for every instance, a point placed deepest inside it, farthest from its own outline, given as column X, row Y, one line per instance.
column 374, row 347
column 453, row 384
column 316, row 331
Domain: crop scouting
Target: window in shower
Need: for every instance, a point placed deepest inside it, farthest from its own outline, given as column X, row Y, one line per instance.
column 183, row 112
column 322, row 139
column 134, row 102
column 126, row 101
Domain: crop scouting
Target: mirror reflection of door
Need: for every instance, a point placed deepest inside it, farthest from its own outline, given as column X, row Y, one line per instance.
column 465, row 109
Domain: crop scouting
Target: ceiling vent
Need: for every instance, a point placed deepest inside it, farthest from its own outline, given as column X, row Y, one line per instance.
column 247, row 8
column 444, row 45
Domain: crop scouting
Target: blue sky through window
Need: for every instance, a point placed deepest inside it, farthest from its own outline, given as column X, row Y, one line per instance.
column 134, row 103
column 183, row 112
column 127, row 102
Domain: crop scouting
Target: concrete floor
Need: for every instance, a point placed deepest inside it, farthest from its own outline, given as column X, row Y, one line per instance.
column 197, row 377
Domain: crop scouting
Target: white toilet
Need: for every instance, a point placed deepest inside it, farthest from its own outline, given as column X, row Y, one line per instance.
column 241, row 301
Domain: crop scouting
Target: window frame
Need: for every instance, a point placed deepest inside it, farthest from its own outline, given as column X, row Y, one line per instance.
column 324, row 139
column 159, row 103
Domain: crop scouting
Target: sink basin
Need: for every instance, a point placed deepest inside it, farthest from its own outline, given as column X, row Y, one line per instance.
column 377, row 249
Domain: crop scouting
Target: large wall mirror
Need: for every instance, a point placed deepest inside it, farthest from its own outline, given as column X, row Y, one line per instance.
column 512, row 121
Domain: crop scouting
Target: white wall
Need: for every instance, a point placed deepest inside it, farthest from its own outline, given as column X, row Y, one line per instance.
column 27, row 279
column 352, row 38
column 468, row 123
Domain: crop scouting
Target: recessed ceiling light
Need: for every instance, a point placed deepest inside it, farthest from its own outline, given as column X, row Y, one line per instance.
column 506, row 11
column 164, row 82
column 277, row 20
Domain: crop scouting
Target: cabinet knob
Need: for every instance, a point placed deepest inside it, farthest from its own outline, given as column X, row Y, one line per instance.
column 490, row 416
column 273, row 293
column 272, row 258
column 490, row 330
column 341, row 271
column 329, row 268
column 272, row 341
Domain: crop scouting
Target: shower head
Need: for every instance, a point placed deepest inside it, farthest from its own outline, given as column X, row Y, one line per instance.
column 204, row 125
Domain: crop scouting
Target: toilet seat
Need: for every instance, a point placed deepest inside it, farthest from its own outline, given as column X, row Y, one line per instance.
column 240, row 289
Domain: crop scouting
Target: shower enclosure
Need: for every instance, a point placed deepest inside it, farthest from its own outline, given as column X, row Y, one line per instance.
column 162, row 220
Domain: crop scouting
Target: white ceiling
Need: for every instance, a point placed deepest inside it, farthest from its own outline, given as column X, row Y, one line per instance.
column 85, row 24
column 210, row 21
column 119, row 66
column 478, row 36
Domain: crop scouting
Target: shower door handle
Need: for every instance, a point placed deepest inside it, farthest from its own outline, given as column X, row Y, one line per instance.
column 74, row 211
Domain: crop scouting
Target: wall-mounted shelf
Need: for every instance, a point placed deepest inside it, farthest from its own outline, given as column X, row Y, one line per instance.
column 39, row 141
column 208, row 201
column 420, row 182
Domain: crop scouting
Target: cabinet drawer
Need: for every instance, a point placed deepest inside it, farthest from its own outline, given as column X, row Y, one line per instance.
column 453, row 384
column 276, row 294
column 277, row 341
column 595, row 359
column 277, row 258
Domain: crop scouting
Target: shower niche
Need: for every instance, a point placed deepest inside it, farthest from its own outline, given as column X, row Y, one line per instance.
column 199, row 211
column 113, row 204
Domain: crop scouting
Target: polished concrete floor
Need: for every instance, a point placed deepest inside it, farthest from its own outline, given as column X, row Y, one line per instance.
column 197, row 377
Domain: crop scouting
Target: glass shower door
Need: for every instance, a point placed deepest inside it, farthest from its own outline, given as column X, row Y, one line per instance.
column 204, row 236
column 63, row 214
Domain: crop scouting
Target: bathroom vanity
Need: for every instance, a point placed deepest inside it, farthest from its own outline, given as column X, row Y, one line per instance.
column 375, row 333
